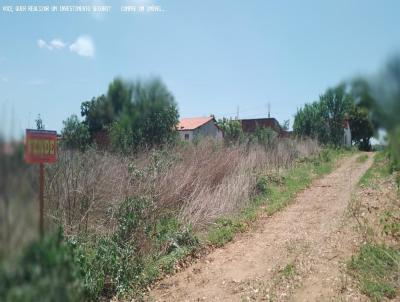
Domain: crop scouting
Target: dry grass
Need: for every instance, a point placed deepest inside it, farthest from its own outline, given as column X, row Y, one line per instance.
column 18, row 200
column 198, row 182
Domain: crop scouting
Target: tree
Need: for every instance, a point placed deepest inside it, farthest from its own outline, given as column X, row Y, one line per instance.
column 361, row 127
column 232, row 129
column 135, row 114
column 312, row 121
column 338, row 103
column 96, row 114
column 324, row 119
column 75, row 134
column 100, row 112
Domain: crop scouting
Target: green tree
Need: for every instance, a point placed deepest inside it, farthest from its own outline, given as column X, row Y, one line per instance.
column 324, row 119
column 312, row 121
column 75, row 134
column 361, row 127
column 232, row 129
column 338, row 104
column 100, row 112
column 149, row 119
column 135, row 114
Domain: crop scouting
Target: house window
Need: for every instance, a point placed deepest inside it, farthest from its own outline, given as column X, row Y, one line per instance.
column 186, row 137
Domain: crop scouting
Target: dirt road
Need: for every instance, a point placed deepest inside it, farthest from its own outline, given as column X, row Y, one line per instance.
column 295, row 255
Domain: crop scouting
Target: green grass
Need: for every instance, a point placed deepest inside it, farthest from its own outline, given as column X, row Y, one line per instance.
column 289, row 270
column 377, row 269
column 362, row 158
column 275, row 195
column 300, row 177
column 377, row 266
column 378, row 170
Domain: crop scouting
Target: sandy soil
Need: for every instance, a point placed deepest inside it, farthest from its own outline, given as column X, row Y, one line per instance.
column 295, row 255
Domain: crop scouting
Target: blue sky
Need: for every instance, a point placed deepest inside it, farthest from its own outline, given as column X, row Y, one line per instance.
column 213, row 55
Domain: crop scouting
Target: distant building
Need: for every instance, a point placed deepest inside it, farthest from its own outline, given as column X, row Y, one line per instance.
column 189, row 128
column 250, row 125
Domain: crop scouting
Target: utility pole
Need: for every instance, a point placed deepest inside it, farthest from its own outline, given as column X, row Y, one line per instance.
column 237, row 112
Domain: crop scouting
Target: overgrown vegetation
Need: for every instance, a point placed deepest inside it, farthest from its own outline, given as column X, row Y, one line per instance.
column 324, row 119
column 127, row 219
column 377, row 265
column 378, row 170
column 362, row 158
column 276, row 191
column 46, row 271
column 377, row 268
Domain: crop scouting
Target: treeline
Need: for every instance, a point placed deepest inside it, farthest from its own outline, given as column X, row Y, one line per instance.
column 324, row 119
column 369, row 104
column 130, row 116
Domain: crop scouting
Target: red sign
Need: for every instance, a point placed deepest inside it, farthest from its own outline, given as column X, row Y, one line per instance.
column 40, row 146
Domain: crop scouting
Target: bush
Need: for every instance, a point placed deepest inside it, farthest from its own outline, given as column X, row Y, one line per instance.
column 232, row 129
column 131, row 218
column 142, row 245
column 46, row 271
column 262, row 185
column 263, row 136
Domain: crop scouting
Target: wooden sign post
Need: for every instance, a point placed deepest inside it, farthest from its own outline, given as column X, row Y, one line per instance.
column 41, row 148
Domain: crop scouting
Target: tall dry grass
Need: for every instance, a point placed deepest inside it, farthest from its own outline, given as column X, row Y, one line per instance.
column 198, row 183
column 18, row 199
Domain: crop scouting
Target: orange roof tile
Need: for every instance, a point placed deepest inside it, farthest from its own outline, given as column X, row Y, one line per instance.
column 193, row 122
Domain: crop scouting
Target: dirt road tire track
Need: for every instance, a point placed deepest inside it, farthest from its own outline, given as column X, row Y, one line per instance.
column 307, row 236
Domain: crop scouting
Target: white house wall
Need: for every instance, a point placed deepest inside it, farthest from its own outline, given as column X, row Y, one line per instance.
column 189, row 132
column 208, row 129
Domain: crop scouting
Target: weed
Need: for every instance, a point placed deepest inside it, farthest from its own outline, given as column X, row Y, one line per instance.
column 262, row 185
column 376, row 267
column 224, row 231
column 391, row 223
column 362, row 158
column 289, row 270
column 299, row 178
column 377, row 170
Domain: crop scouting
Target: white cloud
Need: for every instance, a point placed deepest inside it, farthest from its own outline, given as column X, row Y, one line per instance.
column 83, row 46
column 53, row 44
column 43, row 44
column 57, row 44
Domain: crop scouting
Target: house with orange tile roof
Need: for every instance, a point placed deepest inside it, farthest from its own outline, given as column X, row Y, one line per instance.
column 189, row 128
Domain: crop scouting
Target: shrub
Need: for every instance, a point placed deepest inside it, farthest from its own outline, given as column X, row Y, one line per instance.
column 46, row 271
column 233, row 132
column 262, row 185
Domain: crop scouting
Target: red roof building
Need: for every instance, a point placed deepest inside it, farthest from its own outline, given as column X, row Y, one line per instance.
column 189, row 128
